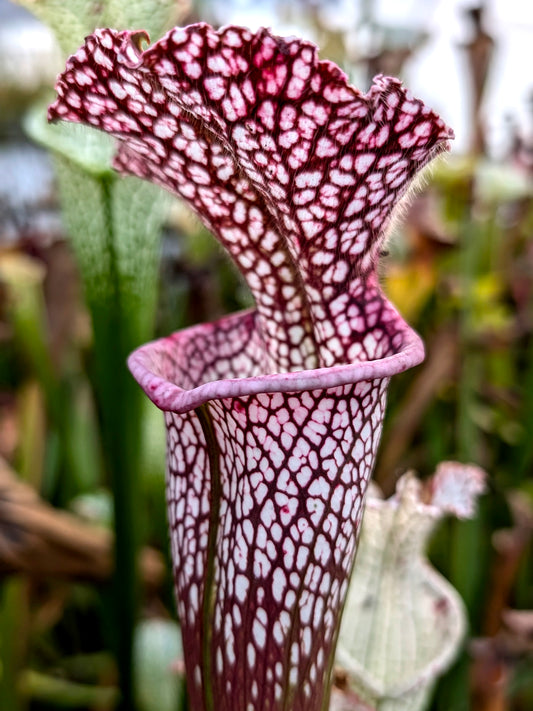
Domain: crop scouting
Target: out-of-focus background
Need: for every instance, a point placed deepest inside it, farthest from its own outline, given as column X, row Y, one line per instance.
column 460, row 269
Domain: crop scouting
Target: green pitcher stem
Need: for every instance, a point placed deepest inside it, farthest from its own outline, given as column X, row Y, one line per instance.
column 120, row 412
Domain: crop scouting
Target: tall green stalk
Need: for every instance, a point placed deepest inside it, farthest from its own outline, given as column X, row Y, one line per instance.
column 466, row 537
column 114, row 227
column 13, row 624
column 524, row 453
column 465, row 572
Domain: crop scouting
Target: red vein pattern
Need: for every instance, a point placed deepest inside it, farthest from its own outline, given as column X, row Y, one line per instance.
column 273, row 415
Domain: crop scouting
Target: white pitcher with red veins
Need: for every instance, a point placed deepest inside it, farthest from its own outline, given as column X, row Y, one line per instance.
column 403, row 622
column 273, row 415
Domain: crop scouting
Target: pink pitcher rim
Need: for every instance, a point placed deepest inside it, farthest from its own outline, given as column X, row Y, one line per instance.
column 170, row 397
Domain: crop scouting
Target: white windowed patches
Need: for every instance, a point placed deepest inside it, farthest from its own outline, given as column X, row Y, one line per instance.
column 308, row 179
column 216, row 87
column 342, row 179
column 259, row 628
column 251, row 655
column 363, row 162
column 279, row 584
column 165, row 127
column 242, row 586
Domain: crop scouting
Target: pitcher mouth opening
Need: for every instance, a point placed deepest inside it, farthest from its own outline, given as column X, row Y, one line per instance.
column 155, row 366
